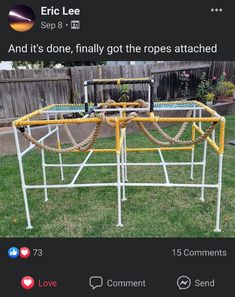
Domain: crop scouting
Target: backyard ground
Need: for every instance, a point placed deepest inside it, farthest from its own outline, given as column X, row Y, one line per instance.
column 92, row 212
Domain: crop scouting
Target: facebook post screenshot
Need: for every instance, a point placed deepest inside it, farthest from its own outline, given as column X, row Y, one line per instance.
column 117, row 148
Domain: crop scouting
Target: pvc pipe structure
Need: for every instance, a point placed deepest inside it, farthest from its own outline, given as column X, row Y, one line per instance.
column 121, row 150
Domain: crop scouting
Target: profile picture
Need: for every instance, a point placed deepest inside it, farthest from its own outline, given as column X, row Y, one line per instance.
column 21, row 18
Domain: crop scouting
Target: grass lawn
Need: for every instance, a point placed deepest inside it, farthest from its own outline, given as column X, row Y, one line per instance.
column 92, row 212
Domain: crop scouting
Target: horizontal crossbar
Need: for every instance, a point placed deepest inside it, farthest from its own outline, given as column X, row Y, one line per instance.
column 121, row 184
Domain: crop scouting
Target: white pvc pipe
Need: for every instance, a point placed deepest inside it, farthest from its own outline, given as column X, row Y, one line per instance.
column 164, row 167
column 218, row 203
column 123, row 170
column 192, row 154
column 192, row 165
column 203, row 171
column 119, row 202
column 213, row 135
column 60, row 155
column 29, row 132
column 29, row 226
column 149, row 96
column 126, row 164
column 81, row 167
column 171, row 185
column 125, row 157
column 86, row 92
column 44, row 174
column 166, row 163
column 200, row 115
column 40, row 140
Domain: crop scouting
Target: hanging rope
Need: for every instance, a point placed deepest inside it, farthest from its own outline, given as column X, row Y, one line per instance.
column 186, row 142
column 82, row 146
column 173, row 140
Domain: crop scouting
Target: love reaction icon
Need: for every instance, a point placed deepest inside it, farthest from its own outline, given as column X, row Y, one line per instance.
column 27, row 282
column 24, row 252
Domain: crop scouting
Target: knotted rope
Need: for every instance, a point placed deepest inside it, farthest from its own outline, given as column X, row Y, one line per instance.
column 82, row 146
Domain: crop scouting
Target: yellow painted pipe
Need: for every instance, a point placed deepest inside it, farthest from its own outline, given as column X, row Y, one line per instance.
column 205, row 107
column 57, row 122
column 123, row 131
column 58, row 145
column 222, row 135
column 30, row 115
column 23, row 122
column 154, row 149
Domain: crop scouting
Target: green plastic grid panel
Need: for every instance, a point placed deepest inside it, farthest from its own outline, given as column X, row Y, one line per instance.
column 157, row 105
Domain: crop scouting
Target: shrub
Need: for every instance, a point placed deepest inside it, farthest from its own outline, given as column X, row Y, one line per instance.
column 225, row 89
column 205, row 86
column 210, row 97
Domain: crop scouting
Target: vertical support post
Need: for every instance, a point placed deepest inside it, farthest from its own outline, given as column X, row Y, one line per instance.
column 124, row 146
column 44, row 174
column 86, row 97
column 29, row 226
column 193, row 147
column 123, row 170
column 203, row 171
column 125, row 157
column 213, row 135
column 218, row 202
column 29, row 131
column 200, row 115
column 119, row 202
column 151, row 94
column 59, row 147
column 221, row 153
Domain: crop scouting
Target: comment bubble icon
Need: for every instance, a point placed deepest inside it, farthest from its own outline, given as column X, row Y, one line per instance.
column 96, row 282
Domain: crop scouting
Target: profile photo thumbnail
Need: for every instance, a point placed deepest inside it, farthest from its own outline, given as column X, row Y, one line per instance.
column 21, row 18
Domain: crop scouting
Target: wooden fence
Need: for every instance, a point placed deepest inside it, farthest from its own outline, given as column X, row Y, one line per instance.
column 22, row 91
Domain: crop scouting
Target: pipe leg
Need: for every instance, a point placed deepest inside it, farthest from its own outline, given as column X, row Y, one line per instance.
column 192, row 166
column 218, row 203
column 123, row 176
column 119, row 202
column 60, row 156
column 44, row 175
column 203, row 171
column 125, row 158
column 26, row 205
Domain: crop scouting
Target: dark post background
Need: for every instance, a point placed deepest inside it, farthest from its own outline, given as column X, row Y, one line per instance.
column 123, row 22
column 72, row 261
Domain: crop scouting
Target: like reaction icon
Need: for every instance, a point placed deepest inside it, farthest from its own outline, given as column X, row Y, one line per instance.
column 24, row 252
column 27, row 282
column 13, row 252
